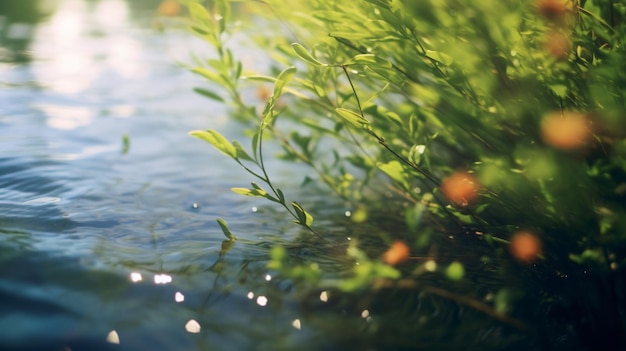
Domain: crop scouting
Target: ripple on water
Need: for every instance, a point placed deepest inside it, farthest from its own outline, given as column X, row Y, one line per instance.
column 29, row 198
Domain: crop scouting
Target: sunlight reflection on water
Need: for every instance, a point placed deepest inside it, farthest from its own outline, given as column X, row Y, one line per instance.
column 66, row 117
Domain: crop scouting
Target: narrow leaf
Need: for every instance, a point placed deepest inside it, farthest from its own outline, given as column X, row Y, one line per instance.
column 200, row 31
column 303, row 216
column 352, row 117
column 229, row 235
column 209, row 94
column 281, row 196
column 125, row 144
column 255, row 193
column 283, row 78
column 241, row 152
column 255, row 144
column 413, row 215
column 260, row 78
column 238, row 69
column 199, row 12
column 210, row 75
column 370, row 59
column 249, row 192
column 217, row 140
column 439, row 57
column 395, row 171
column 305, row 55
column 223, row 8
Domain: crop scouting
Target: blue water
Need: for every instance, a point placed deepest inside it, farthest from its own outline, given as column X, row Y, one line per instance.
column 100, row 242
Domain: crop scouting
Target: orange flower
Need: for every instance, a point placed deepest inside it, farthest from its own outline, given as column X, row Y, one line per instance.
column 398, row 252
column 525, row 247
column 169, row 8
column 553, row 10
column 566, row 132
column 557, row 44
column 263, row 93
column 460, row 187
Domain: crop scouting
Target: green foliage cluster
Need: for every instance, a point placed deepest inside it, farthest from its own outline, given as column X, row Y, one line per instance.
column 526, row 98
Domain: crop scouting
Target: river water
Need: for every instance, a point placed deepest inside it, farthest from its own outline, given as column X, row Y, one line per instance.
column 107, row 206
column 108, row 238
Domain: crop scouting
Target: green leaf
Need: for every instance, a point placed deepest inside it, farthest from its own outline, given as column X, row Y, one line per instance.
column 248, row 192
column 439, row 57
column 260, row 78
column 256, row 192
column 238, row 69
column 414, row 215
column 283, row 78
column 394, row 117
column 353, row 35
column 278, row 256
column 208, row 94
column 199, row 12
column 455, row 271
column 241, row 152
column 304, row 217
column 385, row 4
column 200, row 31
column 396, row 172
column 352, row 117
column 370, row 59
column 210, row 75
column 281, row 196
column 304, row 55
column 255, row 143
column 229, row 235
column 388, row 74
column 386, row 271
column 223, row 9
column 125, row 144
column 227, row 245
column 559, row 89
column 217, row 140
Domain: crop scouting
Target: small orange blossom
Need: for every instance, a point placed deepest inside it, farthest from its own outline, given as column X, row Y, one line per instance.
column 525, row 247
column 553, row 10
column 169, row 8
column 460, row 187
column 566, row 132
column 557, row 44
column 398, row 252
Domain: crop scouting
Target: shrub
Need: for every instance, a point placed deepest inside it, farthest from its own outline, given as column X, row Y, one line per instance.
column 502, row 120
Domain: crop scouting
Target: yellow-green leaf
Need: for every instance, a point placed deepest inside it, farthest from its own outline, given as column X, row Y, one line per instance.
column 217, row 140
column 303, row 216
column 305, row 55
column 439, row 57
column 229, row 235
column 395, row 171
column 209, row 94
column 199, row 12
column 283, row 78
column 352, row 117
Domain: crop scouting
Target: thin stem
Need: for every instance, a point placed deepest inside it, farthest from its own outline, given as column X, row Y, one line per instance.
column 382, row 141
column 269, row 183
column 462, row 299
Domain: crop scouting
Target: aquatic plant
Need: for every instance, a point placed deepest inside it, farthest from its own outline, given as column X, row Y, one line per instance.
column 500, row 121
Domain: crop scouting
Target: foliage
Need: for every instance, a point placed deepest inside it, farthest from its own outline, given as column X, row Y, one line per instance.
column 496, row 119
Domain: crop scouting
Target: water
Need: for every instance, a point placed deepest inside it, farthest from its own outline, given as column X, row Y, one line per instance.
column 105, row 245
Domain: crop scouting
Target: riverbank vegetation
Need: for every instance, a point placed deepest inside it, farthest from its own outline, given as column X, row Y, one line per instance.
column 500, row 123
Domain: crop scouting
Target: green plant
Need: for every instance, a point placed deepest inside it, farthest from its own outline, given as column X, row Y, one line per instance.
column 495, row 119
